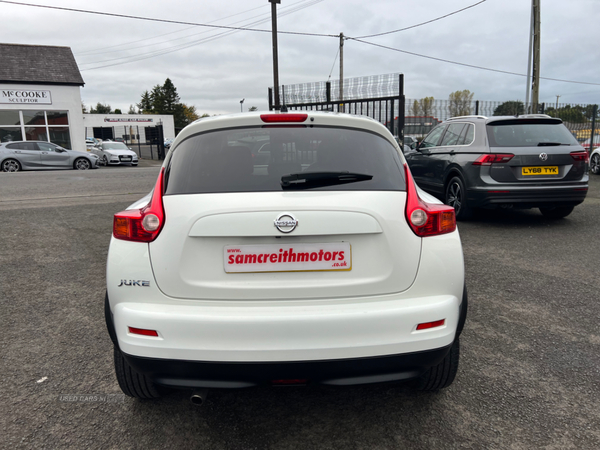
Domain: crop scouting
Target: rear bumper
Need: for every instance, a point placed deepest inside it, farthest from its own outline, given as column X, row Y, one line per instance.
column 529, row 197
column 200, row 374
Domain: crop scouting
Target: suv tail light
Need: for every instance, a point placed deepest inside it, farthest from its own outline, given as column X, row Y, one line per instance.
column 142, row 225
column 581, row 156
column 426, row 219
column 492, row 158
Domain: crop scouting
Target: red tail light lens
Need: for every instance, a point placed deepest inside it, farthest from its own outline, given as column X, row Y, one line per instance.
column 283, row 118
column 428, row 325
column 426, row 219
column 581, row 156
column 493, row 158
column 142, row 225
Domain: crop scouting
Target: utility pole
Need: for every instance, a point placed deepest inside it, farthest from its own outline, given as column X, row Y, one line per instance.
column 528, row 80
column 275, row 52
column 535, row 97
column 341, row 67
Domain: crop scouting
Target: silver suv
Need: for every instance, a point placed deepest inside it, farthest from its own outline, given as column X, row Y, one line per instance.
column 529, row 161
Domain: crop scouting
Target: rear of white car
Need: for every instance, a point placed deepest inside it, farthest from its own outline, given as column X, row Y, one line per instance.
column 319, row 263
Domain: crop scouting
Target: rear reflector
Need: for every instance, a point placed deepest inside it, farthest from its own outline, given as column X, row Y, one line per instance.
column 428, row 325
column 143, row 332
column 493, row 158
column 283, row 118
column 426, row 219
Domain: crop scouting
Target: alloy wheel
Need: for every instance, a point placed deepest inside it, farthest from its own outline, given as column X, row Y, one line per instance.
column 595, row 164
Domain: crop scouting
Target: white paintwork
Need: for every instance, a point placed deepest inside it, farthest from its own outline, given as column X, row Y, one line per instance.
column 202, row 313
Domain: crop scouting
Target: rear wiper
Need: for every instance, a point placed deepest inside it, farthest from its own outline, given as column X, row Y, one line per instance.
column 549, row 144
column 308, row 180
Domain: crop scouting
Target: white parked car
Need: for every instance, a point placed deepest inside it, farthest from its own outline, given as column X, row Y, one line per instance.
column 114, row 153
column 323, row 264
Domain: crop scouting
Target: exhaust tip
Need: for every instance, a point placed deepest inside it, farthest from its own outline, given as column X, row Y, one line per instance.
column 198, row 397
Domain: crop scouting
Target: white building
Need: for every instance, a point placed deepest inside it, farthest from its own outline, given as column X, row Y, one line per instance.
column 40, row 99
column 129, row 127
column 40, row 95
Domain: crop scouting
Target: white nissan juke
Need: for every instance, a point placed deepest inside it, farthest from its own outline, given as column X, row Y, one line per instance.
column 319, row 262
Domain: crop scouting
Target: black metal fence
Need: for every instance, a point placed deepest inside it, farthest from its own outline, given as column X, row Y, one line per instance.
column 382, row 98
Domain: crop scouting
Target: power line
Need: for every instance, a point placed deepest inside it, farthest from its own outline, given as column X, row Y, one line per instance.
column 422, row 23
column 130, row 59
column 177, row 22
column 465, row 64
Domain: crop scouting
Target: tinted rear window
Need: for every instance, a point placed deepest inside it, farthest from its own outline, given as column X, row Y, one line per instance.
column 254, row 159
column 514, row 133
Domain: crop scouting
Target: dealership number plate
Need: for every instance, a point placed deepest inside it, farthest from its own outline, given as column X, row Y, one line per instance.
column 287, row 258
column 126, row 158
column 542, row 170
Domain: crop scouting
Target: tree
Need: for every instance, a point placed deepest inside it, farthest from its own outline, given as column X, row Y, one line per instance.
column 131, row 110
column 83, row 108
column 145, row 104
column 117, row 111
column 510, row 108
column 415, row 109
column 100, row 109
column 459, row 103
column 568, row 113
column 253, row 108
column 190, row 113
column 426, row 105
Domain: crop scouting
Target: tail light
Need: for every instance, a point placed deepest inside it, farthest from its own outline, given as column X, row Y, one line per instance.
column 142, row 225
column 581, row 156
column 426, row 219
column 492, row 158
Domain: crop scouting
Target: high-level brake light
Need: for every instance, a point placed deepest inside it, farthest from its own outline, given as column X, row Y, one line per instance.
column 284, row 118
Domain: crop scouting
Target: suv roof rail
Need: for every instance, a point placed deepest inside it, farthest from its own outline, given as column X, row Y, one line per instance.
column 468, row 117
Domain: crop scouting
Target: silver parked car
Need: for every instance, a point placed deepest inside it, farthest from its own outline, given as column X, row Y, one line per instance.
column 114, row 153
column 41, row 155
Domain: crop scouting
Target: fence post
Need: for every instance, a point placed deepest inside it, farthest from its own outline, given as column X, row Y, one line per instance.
column 543, row 108
column 594, row 113
column 476, row 107
column 328, row 91
column 401, row 108
column 270, row 99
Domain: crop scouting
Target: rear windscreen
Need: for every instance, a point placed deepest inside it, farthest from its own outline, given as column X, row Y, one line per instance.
column 518, row 133
column 257, row 159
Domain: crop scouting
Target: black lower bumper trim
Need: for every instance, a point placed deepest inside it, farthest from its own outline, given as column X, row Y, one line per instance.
column 201, row 374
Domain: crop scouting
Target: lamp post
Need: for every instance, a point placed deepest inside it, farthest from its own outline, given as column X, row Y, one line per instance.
column 241, row 103
column 275, row 59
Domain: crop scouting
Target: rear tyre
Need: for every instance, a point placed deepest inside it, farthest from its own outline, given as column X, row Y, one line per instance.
column 441, row 376
column 595, row 164
column 557, row 213
column 11, row 165
column 456, row 196
column 132, row 383
column 104, row 161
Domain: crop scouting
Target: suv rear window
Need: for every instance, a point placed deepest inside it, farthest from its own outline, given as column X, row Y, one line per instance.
column 255, row 160
column 530, row 133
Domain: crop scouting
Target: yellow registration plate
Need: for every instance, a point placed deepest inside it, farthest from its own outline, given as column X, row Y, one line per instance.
column 543, row 170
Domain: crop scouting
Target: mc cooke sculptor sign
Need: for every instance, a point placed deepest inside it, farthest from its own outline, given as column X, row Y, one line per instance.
column 25, row 96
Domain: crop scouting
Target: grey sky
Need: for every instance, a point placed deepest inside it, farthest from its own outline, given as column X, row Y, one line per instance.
column 214, row 74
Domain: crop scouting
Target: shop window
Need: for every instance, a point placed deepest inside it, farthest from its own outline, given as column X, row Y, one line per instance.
column 60, row 136
column 8, row 134
column 57, row 118
column 35, row 118
column 9, row 118
column 36, row 134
